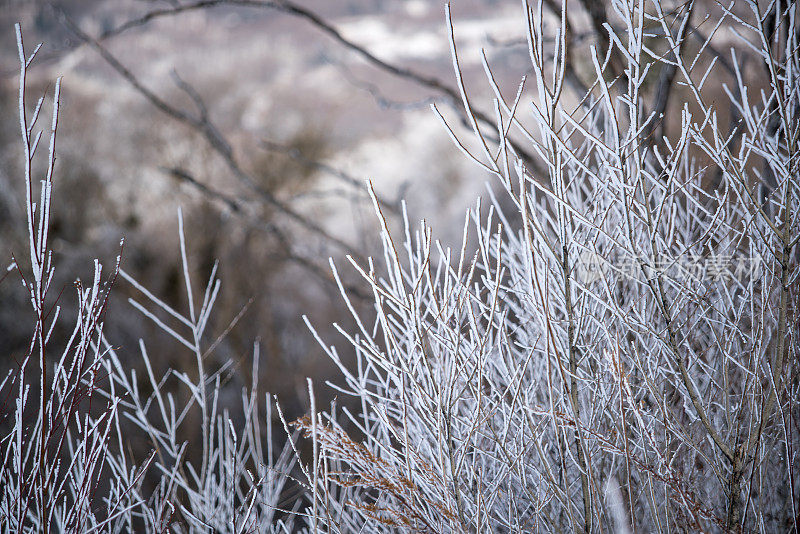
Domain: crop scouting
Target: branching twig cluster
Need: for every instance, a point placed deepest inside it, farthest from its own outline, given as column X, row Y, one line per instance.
column 621, row 351
column 618, row 353
column 69, row 414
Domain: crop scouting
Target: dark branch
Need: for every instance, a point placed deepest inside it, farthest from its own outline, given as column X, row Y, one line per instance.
column 599, row 18
column 452, row 94
column 236, row 208
column 570, row 38
column 345, row 177
column 666, row 77
column 212, row 135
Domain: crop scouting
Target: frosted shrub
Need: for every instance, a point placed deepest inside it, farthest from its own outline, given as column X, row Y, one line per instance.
column 620, row 353
column 53, row 449
column 68, row 413
column 613, row 347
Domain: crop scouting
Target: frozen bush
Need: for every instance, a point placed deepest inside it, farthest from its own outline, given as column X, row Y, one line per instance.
column 620, row 353
column 69, row 413
column 54, row 449
column 617, row 352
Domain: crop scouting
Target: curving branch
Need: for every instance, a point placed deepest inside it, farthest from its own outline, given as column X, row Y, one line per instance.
column 450, row 93
column 203, row 125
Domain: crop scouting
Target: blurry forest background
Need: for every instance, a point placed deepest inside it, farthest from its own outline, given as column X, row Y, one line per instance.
column 262, row 125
